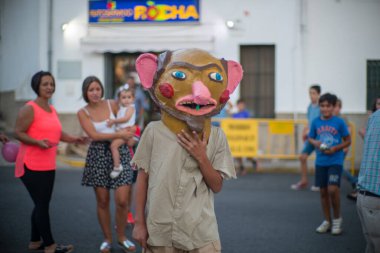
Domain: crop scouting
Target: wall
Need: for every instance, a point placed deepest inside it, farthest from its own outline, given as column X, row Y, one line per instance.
column 316, row 42
column 23, row 44
column 23, row 51
column 259, row 22
column 66, row 47
column 341, row 35
column 326, row 41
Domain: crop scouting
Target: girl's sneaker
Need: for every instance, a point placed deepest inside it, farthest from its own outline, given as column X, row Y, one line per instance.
column 116, row 171
column 324, row 227
column 337, row 226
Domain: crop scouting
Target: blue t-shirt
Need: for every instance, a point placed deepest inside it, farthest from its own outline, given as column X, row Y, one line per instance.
column 241, row 115
column 313, row 112
column 222, row 114
column 140, row 100
column 330, row 132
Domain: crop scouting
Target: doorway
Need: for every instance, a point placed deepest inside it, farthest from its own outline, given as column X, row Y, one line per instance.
column 117, row 68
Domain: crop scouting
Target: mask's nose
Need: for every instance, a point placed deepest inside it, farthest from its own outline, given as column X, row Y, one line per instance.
column 201, row 93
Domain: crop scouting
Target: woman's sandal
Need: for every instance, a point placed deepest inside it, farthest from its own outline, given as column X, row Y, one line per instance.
column 60, row 248
column 127, row 246
column 105, row 247
column 36, row 247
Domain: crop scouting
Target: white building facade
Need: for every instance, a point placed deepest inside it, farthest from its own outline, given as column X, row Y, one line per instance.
column 328, row 42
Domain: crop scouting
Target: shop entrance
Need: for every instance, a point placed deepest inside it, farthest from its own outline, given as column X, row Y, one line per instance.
column 118, row 68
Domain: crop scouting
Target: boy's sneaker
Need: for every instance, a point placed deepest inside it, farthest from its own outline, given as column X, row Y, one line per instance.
column 116, row 171
column 324, row 227
column 314, row 188
column 337, row 226
column 298, row 186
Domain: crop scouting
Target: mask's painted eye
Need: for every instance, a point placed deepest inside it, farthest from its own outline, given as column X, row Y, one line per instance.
column 179, row 75
column 215, row 76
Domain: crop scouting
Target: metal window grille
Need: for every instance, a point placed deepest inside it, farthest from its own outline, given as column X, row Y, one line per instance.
column 257, row 87
column 373, row 82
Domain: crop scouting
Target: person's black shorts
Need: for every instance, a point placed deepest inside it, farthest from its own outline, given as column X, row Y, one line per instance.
column 328, row 175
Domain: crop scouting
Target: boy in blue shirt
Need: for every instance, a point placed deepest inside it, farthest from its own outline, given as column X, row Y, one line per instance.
column 329, row 135
column 313, row 112
column 243, row 112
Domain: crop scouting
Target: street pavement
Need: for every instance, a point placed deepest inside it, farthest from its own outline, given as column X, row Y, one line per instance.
column 256, row 213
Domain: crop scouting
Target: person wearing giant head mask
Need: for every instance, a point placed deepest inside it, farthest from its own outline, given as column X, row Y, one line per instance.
column 182, row 159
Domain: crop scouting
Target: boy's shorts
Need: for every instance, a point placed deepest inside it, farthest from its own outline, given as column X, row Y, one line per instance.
column 328, row 175
column 308, row 148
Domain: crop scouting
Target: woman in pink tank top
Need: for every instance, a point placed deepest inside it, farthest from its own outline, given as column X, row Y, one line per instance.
column 39, row 130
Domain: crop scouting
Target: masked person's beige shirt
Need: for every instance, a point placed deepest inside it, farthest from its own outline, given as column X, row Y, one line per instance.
column 180, row 206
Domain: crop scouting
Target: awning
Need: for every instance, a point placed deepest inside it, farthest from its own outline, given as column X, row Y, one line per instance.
column 145, row 44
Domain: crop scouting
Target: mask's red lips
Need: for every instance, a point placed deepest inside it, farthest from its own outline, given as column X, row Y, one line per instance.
column 188, row 105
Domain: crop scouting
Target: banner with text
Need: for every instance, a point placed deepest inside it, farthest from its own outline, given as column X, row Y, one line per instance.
column 158, row 11
column 242, row 136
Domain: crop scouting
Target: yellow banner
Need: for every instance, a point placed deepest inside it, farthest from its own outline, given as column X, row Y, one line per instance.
column 242, row 136
column 281, row 127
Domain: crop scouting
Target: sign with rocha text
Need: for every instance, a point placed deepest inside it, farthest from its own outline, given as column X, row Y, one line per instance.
column 158, row 11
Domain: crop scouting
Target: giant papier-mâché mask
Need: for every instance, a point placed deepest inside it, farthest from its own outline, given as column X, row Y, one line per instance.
column 189, row 86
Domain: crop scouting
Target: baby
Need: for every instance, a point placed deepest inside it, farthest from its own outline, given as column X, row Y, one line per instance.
column 126, row 117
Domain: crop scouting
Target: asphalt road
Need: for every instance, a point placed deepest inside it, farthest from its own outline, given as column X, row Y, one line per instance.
column 256, row 213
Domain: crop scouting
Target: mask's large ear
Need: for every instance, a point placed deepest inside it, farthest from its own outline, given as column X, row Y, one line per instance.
column 146, row 66
column 235, row 74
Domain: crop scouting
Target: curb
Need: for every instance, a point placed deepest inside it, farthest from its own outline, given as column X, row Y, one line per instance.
column 72, row 162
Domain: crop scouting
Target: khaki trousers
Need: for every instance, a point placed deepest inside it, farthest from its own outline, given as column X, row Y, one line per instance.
column 369, row 213
column 213, row 247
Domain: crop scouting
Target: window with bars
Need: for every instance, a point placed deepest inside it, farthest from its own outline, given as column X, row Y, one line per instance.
column 373, row 82
column 257, row 87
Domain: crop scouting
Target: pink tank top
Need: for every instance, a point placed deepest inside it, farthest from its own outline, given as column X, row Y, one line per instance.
column 45, row 125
